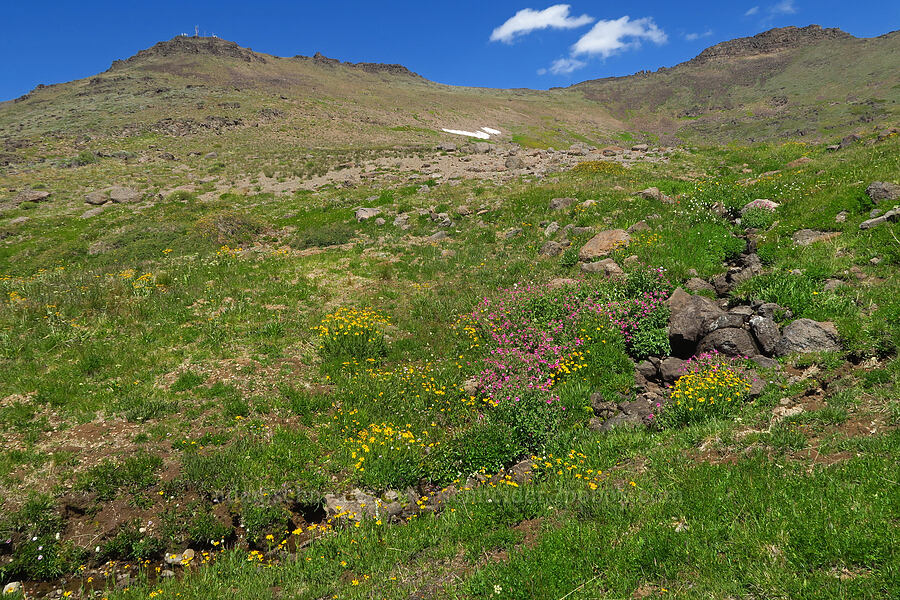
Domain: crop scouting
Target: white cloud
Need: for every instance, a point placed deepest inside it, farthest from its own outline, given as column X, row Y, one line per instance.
column 696, row 36
column 528, row 20
column 752, row 11
column 563, row 66
column 609, row 37
column 785, row 7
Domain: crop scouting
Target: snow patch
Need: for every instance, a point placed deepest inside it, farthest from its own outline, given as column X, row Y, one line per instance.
column 475, row 134
column 490, row 131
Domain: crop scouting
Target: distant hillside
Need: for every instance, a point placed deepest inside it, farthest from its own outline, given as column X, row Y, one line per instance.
column 791, row 82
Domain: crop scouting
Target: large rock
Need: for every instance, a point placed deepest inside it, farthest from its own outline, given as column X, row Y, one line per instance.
column 883, row 190
column 760, row 203
column 805, row 237
column 514, row 162
column 606, row 267
column 482, row 148
column 552, row 248
column 670, row 368
column 729, row 341
column 363, row 214
column 891, row 215
column 805, row 335
column 603, row 243
column 561, row 203
column 97, row 197
column 766, row 333
column 695, row 284
column 124, row 195
column 687, row 319
column 32, row 196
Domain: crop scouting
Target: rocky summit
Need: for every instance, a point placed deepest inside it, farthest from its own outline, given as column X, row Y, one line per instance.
column 295, row 327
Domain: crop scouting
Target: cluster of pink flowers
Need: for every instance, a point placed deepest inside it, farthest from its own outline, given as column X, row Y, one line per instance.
column 533, row 330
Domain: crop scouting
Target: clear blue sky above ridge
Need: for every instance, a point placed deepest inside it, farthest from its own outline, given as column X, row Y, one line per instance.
column 483, row 43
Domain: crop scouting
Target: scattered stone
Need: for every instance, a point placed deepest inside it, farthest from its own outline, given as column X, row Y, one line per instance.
column 805, row 237
column 832, row 285
column 561, row 203
column 849, row 140
column 578, row 149
column 650, row 193
column 743, row 310
column 729, row 341
column 167, row 573
column 19, row 220
column 695, row 284
column 612, row 151
column 463, row 210
column 447, row 147
column 603, row 243
column 124, row 195
column 875, row 212
column 97, row 198
column 380, row 221
column 688, row 315
column 441, row 219
column 841, row 217
column 800, row 161
column 470, row 386
column 783, row 412
column 639, row 148
column 607, row 267
column 31, row 196
column 552, row 248
column 363, row 214
column 482, row 148
column 437, row 237
column 551, row 229
column 883, row 190
column 721, row 284
column 630, row 260
column 891, row 215
column 770, row 310
column 511, row 233
column 766, row 333
column 588, row 203
column 181, row 558
column 765, row 362
column 639, row 226
column 558, row 282
column 647, row 369
column 92, row 212
column 760, row 203
column 670, row 369
column 167, row 156
column 875, row 260
column 211, row 155
column 805, row 335
column 402, row 221
column 514, row 162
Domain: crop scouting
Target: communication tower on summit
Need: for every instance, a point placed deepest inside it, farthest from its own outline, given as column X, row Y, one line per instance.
column 196, row 31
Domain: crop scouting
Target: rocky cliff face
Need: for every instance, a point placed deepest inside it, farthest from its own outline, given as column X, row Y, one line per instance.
column 391, row 69
column 183, row 45
column 774, row 40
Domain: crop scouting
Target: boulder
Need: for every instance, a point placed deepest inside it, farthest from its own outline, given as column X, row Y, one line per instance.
column 648, row 369
column 687, row 318
column 511, row 233
column 364, row 214
column 552, row 248
column 805, row 237
column 607, row 267
column 800, row 161
column 32, row 196
column 695, row 284
column 561, row 203
column 514, row 162
column 670, row 369
column 447, row 147
column 766, row 333
column 639, row 148
column 883, row 190
column 124, row 195
column 402, row 221
column 92, row 212
column 721, row 284
column 849, row 140
column 97, row 197
column 805, row 335
column 650, row 193
column 770, row 310
column 639, row 226
column 729, row 341
column 760, row 203
column 891, row 215
column 728, row 320
column 603, row 243
column 551, row 229
column 482, row 148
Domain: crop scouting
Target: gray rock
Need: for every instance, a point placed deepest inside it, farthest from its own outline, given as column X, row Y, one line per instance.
column 551, row 229
column 552, row 248
column 437, row 237
column 514, row 162
column 32, row 196
column 363, row 214
column 441, row 219
column 728, row 320
column 832, row 285
column 482, row 148
column 770, row 310
column 669, row 368
column 19, row 220
column 124, row 195
column 721, row 284
column 760, row 203
column 402, row 221
column 729, row 341
column 766, row 333
column 841, row 217
column 603, row 243
column 891, row 215
column 639, row 226
column 883, row 190
column 805, row 335
column 695, row 284
column 650, row 193
column 687, row 318
column 606, row 267
column 805, row 237
column 849, row 140
column 765, row 362
column 647, row 369
column 447, row 147
column 743, row 310
column 380, row 221
column 92, row 212
column 561, row 203
column 97, row 197
column 639, row 148
column 511, row 233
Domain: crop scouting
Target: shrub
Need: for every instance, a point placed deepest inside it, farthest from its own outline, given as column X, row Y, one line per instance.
column 758, row 218
column 130, row 544
column 228, row 227
column 352, row 333
column 710, row 385
column 261, row 520
column 649, row 342
column 533, row 418
column 484, row 447
column 135, row 473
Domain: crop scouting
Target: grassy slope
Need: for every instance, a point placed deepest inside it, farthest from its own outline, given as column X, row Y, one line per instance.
column 218, row 350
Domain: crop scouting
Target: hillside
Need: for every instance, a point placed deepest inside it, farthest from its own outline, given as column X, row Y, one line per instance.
column 268, row 332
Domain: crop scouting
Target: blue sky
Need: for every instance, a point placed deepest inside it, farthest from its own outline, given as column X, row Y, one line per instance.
column 463, row 42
